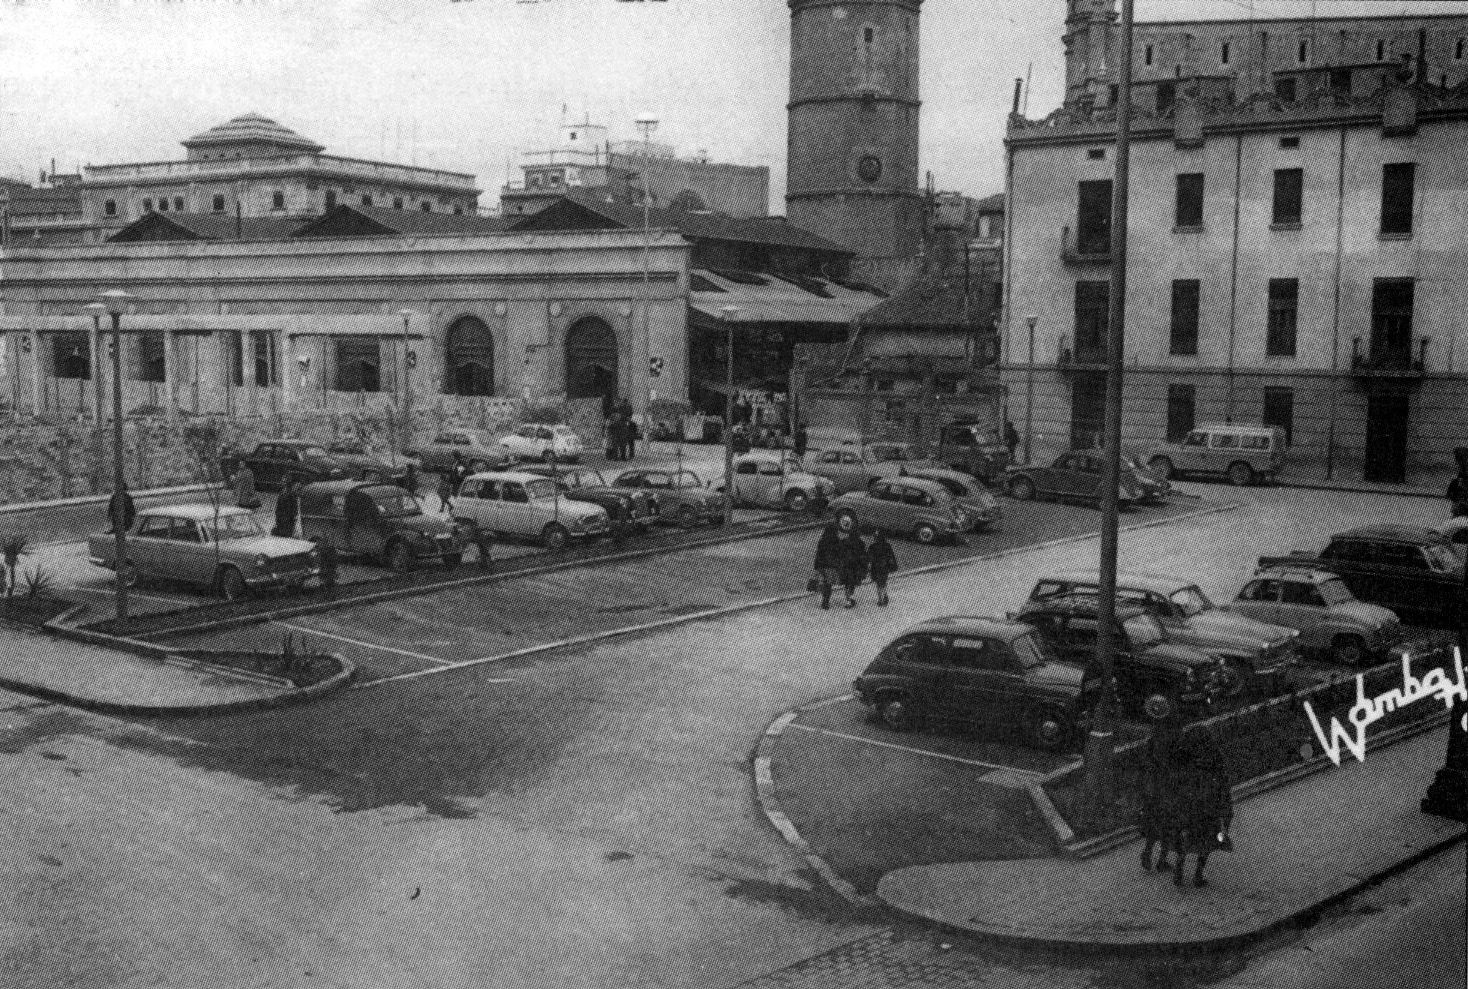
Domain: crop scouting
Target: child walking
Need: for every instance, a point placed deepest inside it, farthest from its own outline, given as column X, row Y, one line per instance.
column 883, row 565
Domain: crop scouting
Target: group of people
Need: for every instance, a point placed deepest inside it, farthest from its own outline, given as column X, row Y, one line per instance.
column 621, row 430
column 844, row 559
column 450, row 481
column 1187, row 802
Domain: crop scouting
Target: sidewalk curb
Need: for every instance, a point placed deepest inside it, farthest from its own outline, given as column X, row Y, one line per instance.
column 1358, row 489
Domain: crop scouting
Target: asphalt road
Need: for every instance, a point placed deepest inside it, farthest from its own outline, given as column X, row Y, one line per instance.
column 577, row 817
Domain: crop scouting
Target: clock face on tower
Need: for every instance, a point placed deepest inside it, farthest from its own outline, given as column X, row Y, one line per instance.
column 869, row 168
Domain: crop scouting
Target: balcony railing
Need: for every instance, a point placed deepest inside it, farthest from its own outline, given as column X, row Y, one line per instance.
column 1073, row 253
column 1383, row 361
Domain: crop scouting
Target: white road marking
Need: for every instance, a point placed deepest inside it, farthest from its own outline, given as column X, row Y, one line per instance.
column 306, row 630
column 906, row 748
column 131, row 594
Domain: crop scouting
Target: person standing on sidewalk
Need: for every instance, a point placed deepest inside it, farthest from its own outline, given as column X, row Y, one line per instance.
column 1011, row 438
column 801, row 443
column 883, row 564
column 121, row 510
column 244, row 488
column 287, row 509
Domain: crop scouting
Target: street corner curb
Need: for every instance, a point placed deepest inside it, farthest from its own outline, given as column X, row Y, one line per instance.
column 769, row 802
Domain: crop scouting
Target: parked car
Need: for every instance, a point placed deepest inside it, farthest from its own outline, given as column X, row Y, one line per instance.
column 1330, row 620
column 528, row 506
column 365, row 465
column 854, row 467
column 772, row 481
column 1254, row 651
column 907, row 506
column 378, row 521
column 274, row 460
column 978, row 672
column 480, row 450
column 972, row 447
column 1074, row 476
column 1155, row 486
column 1146, row 663
column 970, row 493
column 230, row 554
column 542, row 441
column 587, row 484
column 1411, row 570
column 683, row 499
column 1243, row 454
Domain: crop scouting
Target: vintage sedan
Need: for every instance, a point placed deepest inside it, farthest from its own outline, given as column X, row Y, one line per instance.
column 274, row 461
column 587, row 484
column 1155, row 487
column 852, row 467
column 683, row 498
column 908, row 506
column 378, row 522
column 226, row 550
column 543, row 442
column 364, row 464
column 1074, row 476
column 517, row 503
column 969, row 492
column 479, row 450
column 1331, row 621
column 769, row 481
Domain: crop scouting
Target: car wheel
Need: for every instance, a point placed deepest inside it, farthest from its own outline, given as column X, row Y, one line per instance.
column 896, row 712
column 1348, row 650
column 687, row 516
column 231, row 584
column 554, row 536
column 453, row 559
column 398, row 556
column 1048, row 730
column 925, row 534
column 796, row 501
column 1021, row 488
column 1240, row 474
column 1162, row 466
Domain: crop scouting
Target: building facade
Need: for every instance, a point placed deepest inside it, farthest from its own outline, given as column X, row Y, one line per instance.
column 852, row 158
column 1291, row 262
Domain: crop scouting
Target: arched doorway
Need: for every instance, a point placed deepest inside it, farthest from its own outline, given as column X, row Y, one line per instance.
column 469, row 358
column 591, row 359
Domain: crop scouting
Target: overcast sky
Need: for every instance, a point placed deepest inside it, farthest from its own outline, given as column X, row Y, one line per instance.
column 468, row 84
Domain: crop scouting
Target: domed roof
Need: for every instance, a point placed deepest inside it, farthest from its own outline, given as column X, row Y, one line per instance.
column 253, row 127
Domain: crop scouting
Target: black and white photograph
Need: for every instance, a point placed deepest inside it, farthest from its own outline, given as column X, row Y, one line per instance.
column 733, row 494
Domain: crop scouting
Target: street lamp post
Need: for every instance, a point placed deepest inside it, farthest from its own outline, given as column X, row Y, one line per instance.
column 406, row 438
column 1030, row 322
column 95, row 310
column 646, row 123
column 728, row 312
column 116, row 301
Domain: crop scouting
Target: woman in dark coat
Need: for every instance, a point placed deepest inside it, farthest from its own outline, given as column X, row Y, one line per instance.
column 841, row 558
column 287, row 509
column 1205, row 814
column 883, row 565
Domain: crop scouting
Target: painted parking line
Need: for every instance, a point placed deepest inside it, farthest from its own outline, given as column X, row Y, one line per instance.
column 306, row 630
column 131, row 594
column 914, row 751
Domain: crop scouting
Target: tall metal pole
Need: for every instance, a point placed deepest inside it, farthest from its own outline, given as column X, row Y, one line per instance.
column 96, row 309
column 407, row 440
column 728, row 313
column 118, row 526
column 647, row 124
column 1030, row 321
column 1099, row 744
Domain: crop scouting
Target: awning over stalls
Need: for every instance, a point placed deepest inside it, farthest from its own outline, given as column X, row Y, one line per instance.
column 763, row 298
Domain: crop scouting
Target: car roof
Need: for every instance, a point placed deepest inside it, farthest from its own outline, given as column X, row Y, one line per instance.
column 1420, row 534
column 341, row 487
column 1161, row 583
column 999, row 628
column 922, row 473
column 294, row 442
column 922, row 484
column 1303, row 574
column 521, row 476
column 196, row 512
column 1234, row 427
column 1081, row 604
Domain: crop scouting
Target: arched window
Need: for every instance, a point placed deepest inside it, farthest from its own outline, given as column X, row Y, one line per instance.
column 469, row 363
column 591, row 359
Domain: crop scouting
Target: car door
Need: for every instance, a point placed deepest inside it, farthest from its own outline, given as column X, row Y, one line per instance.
column 1192, row 455
column 1301, row 606
column 1354, row 561
column 1062, row 477
column 1259, row 600
column 191, row 556
column 746, row 483
column 983, row 680
column 1404, row 579
column 770, row 484
column 882, row 506
column 516, row 512
column 147, row 548
column 923, row 660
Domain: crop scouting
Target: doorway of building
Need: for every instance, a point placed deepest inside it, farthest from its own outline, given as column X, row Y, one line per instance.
column 591, row 359
column 1087, row 410
column 1387, row 416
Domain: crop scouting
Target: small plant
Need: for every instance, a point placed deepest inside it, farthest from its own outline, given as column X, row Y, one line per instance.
column 37, row 582
column 13, row 548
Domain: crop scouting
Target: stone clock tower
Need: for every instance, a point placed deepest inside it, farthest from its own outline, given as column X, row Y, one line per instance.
column 852, row 158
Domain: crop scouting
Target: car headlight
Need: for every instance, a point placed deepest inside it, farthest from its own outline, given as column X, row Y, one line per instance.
column 262, row 561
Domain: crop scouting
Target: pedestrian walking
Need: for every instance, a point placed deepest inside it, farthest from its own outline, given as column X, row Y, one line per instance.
column 802, row 442
column 1206, row 811
column 1157, row 813
column 1011, row 438
column 288, row 508
column 882, row 564
column 446, row 493
column 458, row 471
column 410, row 479
column 629, row 430
column 1458, row 486
column 484, row 545
column 841, row 558
column 244, row 488
column 121, row 510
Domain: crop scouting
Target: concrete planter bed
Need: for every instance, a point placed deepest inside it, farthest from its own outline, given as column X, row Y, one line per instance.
column 303, row 669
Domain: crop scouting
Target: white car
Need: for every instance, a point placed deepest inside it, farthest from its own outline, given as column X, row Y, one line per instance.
column 517, row 503
column 767, row 481
column 539, row 441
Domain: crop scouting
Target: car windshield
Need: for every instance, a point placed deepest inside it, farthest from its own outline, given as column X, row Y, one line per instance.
column 685, row 479
column 1440, row 557
column 354, row 449
column 1143, row 631
column 1029, row 651
column 396, row 503
column 540, row 489
column 888, row 453
column 1335, row 592
column 234, row 527
column 1192, row 600
column 589, row 479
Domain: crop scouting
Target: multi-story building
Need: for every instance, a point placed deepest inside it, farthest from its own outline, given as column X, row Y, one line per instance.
column 585, row 160
column 48, row 213
column 1294, row 257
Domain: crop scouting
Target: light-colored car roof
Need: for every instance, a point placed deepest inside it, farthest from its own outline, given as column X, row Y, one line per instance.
column 521, row 476
column 1161, row 583
column 922, row 483
column 1307, row 574
column 967, row 480
column 199, row 513
column 999, row 628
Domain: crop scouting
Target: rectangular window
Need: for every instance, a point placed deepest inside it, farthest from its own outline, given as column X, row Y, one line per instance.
column 234, row 371
column 1391, row 321
column 1093, row 222
column 1096, row 154
column 1223, row 53
column 1284, row 90
column 1289, row 192
column 330, row 198
column 1181, row 401
column 1340, row 82
column 1289, row 142
column 1459, row 47
column 1184, row 339
column 1092, row 313
column 277, row 200
column 397, row 202
column 358, row 364
column 366, row 200
column 1397, row 180
column 218, row 203
column 1381, row 51
column 71, row 356
column 1166, row 97
column 152, row 362
column 267, row 371
column 426, row 206
column 1302, row 52
column 109, row 208
column 178, row 204
column 1279, row 410
column 163, row 205
column 1284, row 307
column 1147, row 54
column 1189, row 212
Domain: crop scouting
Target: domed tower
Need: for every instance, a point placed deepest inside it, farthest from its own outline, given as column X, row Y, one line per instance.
column 852, row 159
column 1089, row 36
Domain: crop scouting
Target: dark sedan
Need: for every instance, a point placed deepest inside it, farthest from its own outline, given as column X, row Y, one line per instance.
column 1074, row 476
column 628, row 504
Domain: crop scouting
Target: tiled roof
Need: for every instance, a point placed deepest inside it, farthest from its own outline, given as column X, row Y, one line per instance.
column 379, row 221
column 933, row 300
column 204, row 226
column 762, row 298
column 991, row 204
column 253, row 127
